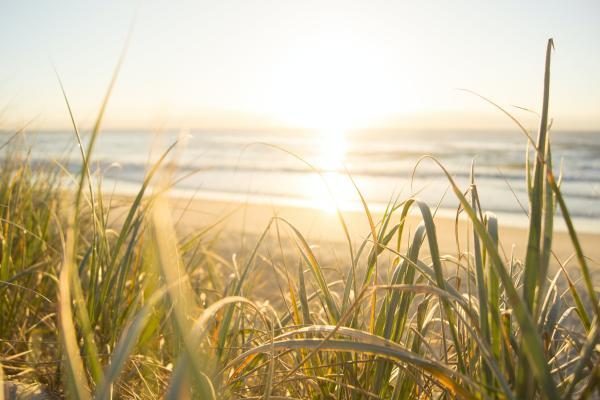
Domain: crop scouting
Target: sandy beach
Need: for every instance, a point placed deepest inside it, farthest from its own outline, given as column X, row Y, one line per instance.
column 241, row 223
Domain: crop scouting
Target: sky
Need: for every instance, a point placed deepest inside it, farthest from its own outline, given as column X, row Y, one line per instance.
column 257, row 64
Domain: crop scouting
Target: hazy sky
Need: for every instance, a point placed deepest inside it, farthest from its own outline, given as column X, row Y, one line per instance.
column 303, row 63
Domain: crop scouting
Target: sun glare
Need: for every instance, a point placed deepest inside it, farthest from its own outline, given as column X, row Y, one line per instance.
column 333, row 85
column 332, row 150
column 333, row 188
column 331, row 191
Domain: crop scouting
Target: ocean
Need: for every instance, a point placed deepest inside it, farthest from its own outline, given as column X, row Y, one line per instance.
column 265, row 167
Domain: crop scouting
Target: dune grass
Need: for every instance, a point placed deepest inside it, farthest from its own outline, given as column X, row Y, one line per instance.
column 90, row 308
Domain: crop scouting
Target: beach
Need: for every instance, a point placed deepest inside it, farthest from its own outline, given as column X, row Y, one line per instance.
column 242, row 223
column 299, row 200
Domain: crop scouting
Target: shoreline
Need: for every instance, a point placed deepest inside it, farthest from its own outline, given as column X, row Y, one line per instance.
column 519, row 221
column 323, row 229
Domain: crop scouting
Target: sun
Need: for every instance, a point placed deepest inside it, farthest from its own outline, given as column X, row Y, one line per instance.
column 336, row 82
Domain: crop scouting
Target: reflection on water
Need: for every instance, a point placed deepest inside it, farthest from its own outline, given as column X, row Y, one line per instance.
column 332, row 150
column 332, row 189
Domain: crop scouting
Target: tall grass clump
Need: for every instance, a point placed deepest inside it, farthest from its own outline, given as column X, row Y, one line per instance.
column 105, row 305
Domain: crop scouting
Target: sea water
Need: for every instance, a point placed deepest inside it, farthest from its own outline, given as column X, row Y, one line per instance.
column 311, row 168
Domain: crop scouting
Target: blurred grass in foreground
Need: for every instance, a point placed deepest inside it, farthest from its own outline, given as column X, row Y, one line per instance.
column 90, row 308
